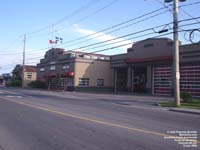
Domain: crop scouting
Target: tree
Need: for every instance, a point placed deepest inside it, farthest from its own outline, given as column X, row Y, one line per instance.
column 17, row 72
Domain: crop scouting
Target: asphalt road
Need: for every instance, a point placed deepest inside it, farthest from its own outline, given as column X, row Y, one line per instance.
column 42, row 120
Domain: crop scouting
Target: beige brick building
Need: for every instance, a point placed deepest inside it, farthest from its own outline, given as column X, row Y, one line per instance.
column 69, row 70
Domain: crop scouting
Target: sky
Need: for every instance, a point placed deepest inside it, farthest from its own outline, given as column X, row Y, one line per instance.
column 84, row 22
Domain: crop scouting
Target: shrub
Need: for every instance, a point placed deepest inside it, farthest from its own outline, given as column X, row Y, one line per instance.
column 38, row 84
column 187, row 97
column 16, row 83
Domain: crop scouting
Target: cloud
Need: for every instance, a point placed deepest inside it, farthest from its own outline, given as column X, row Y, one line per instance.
column 100, row 36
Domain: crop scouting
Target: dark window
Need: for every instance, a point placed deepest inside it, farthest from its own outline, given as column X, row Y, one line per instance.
column 170, row 44
column 148, row 45
column 84, row 81
column 130, row 49
column 100, row 82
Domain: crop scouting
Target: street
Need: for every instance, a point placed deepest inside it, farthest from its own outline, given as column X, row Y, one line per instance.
column 46, row 120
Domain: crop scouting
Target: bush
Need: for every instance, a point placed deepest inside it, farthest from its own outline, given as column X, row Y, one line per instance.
column 38, row 84
column 187, row 97
column 16, row 83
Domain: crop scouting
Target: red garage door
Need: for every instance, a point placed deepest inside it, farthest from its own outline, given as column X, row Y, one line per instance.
column 190, row 79
column 162, row 80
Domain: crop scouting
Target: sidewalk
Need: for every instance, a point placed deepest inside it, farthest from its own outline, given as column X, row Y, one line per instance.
column 185, row 110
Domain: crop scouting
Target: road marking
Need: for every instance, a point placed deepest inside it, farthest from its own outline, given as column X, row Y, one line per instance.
column 93, row 120
column 11, row 96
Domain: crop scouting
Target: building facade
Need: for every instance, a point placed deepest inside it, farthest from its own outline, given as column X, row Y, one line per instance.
column 72, row 70
column 147, row 68
column 30, row 74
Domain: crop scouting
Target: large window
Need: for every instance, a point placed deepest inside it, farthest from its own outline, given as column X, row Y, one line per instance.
column 84, row 81
column 100, row 82
column 65, row 67
column 42, row 69
column 52, row 62
column 52, row 67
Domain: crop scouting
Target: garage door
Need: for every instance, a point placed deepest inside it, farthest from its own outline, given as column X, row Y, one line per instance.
column 190, row 79
column 162, row 80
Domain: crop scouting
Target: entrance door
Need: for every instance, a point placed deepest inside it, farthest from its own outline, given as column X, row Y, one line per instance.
column 121, row 79
column 140, row 79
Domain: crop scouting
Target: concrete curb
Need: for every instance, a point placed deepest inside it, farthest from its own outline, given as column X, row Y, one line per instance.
column 185, row 110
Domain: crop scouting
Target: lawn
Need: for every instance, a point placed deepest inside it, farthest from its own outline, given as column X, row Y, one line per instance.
column 195, row 104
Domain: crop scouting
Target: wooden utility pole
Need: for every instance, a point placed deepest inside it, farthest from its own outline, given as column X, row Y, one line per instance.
column 23, row 65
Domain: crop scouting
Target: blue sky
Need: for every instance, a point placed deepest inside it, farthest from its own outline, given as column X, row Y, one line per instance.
column 73, row 19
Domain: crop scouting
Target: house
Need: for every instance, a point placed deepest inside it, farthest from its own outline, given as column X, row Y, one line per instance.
column 73, row 70
column 30, row 74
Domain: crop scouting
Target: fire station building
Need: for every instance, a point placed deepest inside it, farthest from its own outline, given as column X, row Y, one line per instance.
column 72, row 70
column 147, row 68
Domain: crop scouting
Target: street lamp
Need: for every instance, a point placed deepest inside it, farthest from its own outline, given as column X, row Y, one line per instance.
column 176, row 70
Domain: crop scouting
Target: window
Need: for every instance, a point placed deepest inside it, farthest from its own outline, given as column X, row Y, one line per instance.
column 148, row 45
column 52, row 68
column 72, row 55
column 100, row 82
column 102, row 58
column 84, row 81
column 87, row 56
column 42, row 69
column 52, row 62
column 94, row 57
column 130, row 50
column 65, row 67
column 170, row 43
column 29, row 76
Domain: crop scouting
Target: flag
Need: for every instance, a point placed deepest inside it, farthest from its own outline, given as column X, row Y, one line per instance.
column 58, row 39
column 52, row 42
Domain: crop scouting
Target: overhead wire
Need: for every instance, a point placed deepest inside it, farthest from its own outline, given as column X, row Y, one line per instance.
column 131, row 34
column 112, row 27
column 117, row 25
column 72, row 14
column 123, row 36
column 81, row 19
column 113, row 48
column 110, row 48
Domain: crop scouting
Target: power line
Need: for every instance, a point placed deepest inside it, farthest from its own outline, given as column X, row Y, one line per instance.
column 195, row 3
column 82, row 19
column 70, row 41
column 127, row 35
column 110, row 48
column 118, row 29
column 116, row 26
column 72, row 14
column 123, row 36
column 114, row 47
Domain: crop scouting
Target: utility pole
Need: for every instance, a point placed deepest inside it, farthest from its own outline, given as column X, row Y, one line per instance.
column 176, row 71
column 23, row 65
